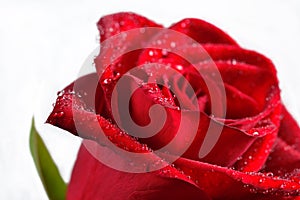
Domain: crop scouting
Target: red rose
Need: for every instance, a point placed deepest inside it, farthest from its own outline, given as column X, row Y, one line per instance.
column 236, row 139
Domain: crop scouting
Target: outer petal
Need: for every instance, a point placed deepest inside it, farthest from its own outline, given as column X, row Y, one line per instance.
column 203, row 32
column 289, row 130
column 116, row 25
column 93, row 180
column 285, row 157
column 79, row 118
column 225, row 183
column 113, row 24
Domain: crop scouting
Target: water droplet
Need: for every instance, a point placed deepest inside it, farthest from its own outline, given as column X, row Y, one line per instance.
column 151, row 53
column 60, row 93
column 173, row 44
column 60, row 114
column 106, row 81
column 266, row 151
column 179, row 67
column 164, row 52
column 255, row 133
column 183, row 25
column 282, row 186
column 110, row 29
column 144, row 148
column 252, row 190
column 269, row 174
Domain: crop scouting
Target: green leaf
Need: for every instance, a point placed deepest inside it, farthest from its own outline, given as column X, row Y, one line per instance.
column 48, row 171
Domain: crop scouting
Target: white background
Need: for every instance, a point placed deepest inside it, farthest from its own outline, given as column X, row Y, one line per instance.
column 44, row 43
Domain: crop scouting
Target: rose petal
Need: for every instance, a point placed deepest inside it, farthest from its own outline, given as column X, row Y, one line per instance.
column 236, row 54
column 289, row 130
column 285, row 157
column 176, row 119
column 225, row 183
column 255, row 157
column 252, row 93
column 118, row 35
column 113, row 24
column 203, row 32
column 93, row 180
column 266, row 123
column 87, row 126
column 75, row 113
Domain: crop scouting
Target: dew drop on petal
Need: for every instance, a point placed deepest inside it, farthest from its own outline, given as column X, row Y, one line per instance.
column 255, row 133
column 151, row 53
column 173, row 44
column 106, row 81
column 269, row 174
column 60, row 93
column 164, row 52
column 282, row 186
column 252, row 190
column 183, row 25
column 179, row 67
column 60, row 114
column 233, row 62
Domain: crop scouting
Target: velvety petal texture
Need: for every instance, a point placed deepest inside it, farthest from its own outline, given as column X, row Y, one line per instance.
column 256, row 155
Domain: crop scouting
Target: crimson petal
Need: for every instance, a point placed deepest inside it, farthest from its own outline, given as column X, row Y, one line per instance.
column 216, row 180
column 114, row 38
column 113, row 24
column 93, row 180
column 203, row 32
column 285, row 157
column 289, row 130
